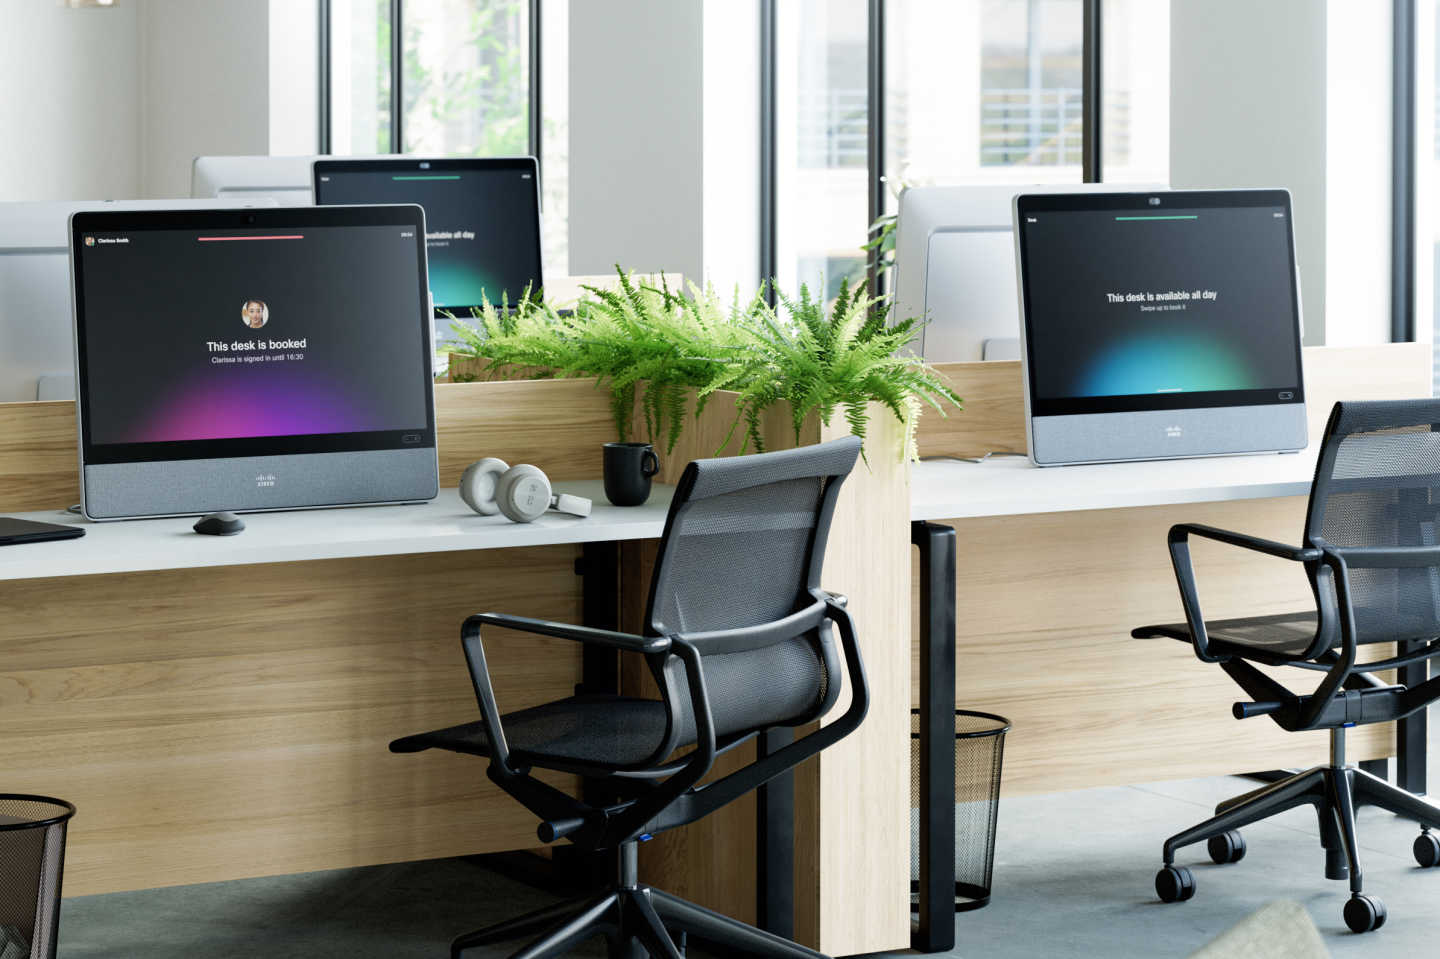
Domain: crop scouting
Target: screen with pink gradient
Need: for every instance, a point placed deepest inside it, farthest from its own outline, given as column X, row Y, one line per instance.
column 194, row 336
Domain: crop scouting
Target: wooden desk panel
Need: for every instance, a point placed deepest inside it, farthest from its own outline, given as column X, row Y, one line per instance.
column 1044, row 608
column 222, row 723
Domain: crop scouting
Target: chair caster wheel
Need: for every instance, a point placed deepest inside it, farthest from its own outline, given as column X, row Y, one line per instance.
column 1174, row 884
column 1227, row 847
column 1364, row 913
column 1427, row 850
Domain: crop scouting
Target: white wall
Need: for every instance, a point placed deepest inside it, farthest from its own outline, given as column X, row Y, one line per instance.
column 70, row 107
column 1247, row 109
column 635, row 136
column 205, row 86
column 1297, row 94
column 1359, row 86
column 114, row 103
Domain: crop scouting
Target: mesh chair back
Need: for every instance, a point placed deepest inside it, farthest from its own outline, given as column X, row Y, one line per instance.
column 743, row 546
column 1377, row 483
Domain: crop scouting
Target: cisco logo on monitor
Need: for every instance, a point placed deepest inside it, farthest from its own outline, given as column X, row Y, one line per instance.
column 265, row 479
column 1173, row 432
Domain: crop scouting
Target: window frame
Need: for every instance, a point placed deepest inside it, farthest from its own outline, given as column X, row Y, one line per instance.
column 875, row 125
column 324, row 142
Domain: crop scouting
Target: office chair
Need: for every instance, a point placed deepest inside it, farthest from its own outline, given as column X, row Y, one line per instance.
column 738, row 638
column 1373, row 560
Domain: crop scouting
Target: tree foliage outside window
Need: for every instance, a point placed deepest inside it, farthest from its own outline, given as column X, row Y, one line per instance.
column 465, row 84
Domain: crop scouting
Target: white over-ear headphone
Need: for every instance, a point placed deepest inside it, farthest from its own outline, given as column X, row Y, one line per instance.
column 521, row 493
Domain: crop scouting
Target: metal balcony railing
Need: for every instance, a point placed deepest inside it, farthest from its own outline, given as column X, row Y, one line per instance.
column 1042, row 127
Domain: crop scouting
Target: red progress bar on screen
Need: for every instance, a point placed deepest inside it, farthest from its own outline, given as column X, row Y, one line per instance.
column 220, row 239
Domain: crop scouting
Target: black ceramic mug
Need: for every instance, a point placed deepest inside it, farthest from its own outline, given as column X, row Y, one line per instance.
column 628, row 468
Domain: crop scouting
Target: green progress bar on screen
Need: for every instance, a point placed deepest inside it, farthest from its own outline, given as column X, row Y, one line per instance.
column 453, row 176
column 1190, row 217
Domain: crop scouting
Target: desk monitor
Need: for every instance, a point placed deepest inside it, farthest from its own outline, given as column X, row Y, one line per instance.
column 37, row 349
column 1159, row 325
column 484, row 217
column 955, row 266
column 254, row 360
column 282, row 180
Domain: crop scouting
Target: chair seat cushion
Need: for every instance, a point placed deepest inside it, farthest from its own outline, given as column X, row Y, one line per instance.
column 598, row 730
column 1275, row 638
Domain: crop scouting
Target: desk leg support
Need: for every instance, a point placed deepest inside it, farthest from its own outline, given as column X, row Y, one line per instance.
column 935, row 931
column 775, row 830
column 1412, row 731
column 599, row 571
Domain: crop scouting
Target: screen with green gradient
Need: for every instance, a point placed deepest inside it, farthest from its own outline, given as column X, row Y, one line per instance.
column 1134, row 309
column 482, row 219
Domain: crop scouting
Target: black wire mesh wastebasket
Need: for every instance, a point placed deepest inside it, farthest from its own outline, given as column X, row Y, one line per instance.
column 979, row 754
column 32, row 862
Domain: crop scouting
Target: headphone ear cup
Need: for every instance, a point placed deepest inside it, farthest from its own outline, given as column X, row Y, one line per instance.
column 479, row 483
column 523, row 493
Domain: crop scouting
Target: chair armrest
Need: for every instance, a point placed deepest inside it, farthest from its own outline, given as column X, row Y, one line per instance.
column 1298, row 553
column 755, row 774
column 1179, row 540
column 582, row 634
column 480, row 671
column 1387, row 557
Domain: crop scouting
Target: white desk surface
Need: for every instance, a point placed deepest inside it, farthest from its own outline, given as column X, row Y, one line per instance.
column 1009, row 485
column 441, row 525
column 1001, row 486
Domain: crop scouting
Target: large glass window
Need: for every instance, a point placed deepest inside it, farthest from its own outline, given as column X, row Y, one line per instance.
column 821, row 119
column 465, row 87
column 983, row 91
column 555, row 134
column 465, row 82
column 1427, row 176
column 1135, row 91
column 359, row 76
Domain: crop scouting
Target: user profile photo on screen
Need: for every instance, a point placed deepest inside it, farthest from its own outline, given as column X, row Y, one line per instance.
column 254, row 314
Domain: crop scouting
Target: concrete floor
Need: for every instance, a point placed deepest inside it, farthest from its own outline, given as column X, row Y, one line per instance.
column 1073, row 878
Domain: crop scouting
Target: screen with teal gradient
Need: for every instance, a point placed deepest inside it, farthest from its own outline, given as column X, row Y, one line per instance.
column 482, row 232
column 1144, row 308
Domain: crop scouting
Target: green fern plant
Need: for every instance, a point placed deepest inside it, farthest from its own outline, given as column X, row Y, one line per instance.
column 821, row 360
column 645, row 343
column 650, row 346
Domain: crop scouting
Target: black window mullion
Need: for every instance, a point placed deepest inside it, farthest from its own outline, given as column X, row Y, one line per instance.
column 875, row 134
column 1402, row 175
column 322, row 140
column 534, row 109
column 1090, row 97
column 397, row 69
column 769, row 263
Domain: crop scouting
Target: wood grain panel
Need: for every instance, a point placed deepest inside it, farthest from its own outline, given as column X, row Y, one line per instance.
column 558, row 425
column 852, row 825
column 1045, row 604
column 221, row 723
column 39, row 463
column 993, row 419
column 994, row 415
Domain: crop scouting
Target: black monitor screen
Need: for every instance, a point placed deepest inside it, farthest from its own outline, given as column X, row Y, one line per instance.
column 483, row 235
column 1159, row 301
column 205, row 334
